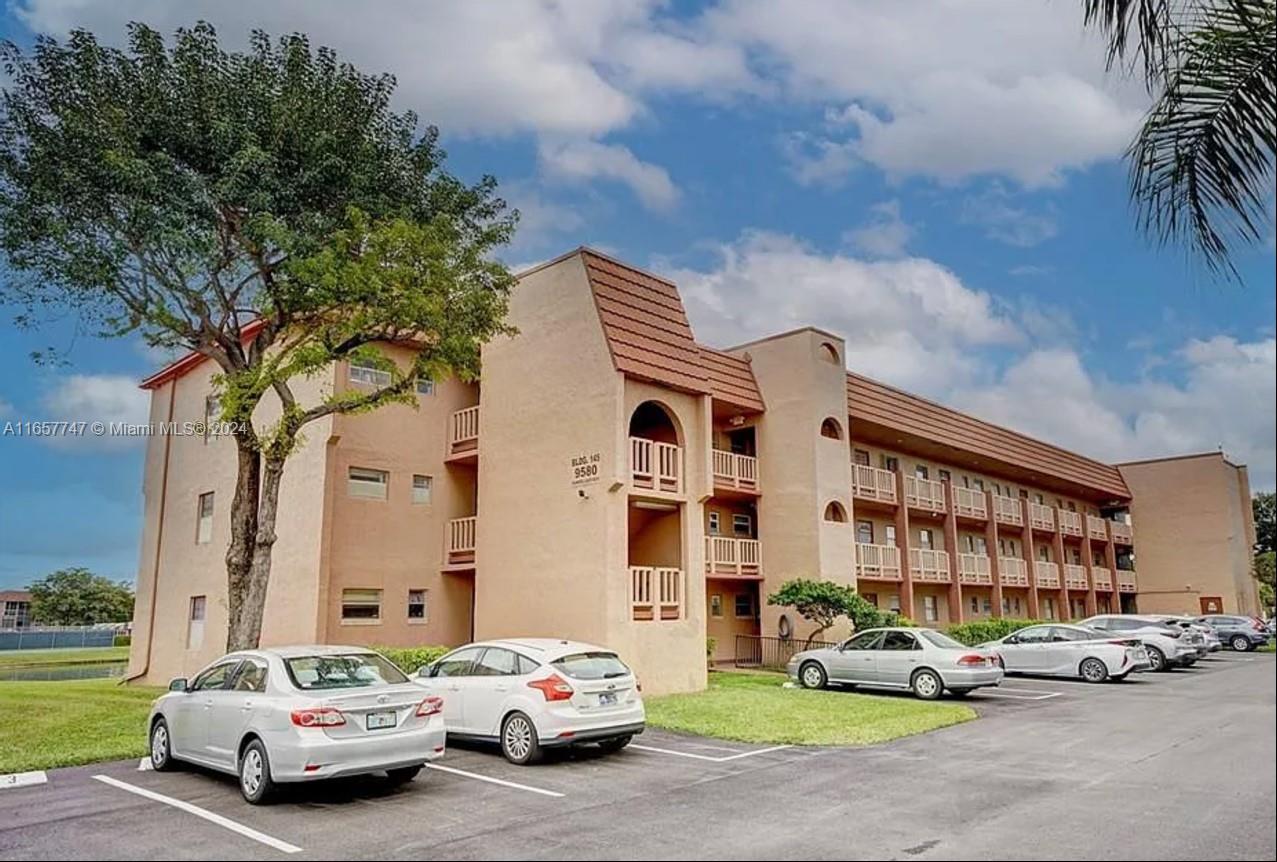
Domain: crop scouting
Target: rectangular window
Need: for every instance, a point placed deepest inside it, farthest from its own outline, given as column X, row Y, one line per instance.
column 889, row 534
column 425, row 386
column 416, row 606
column 924, row 538
column 744, row 606
column 1072, row 508
column 865, row 532
column 1040, row 499
column 975, row 604
column 946, row 476
column 929, row 610
column 742, row 525
column 978, row 484
column 713, row 524
column 716, row 606
column 861, row 457
column 365, row 372
column 890, row 463
column 422, row 486
column 893, row 603
column 966, row 481
column 920, row 470
column 872, row 598
column 369, row 484
column 204, row 519
column 1048, row 608
column 1024, row 495
column 360, row 606
column 1044, row 553
column 195, row 622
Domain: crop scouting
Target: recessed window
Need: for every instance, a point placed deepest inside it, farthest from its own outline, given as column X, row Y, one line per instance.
column 742, row 525
column 204, row 519
column 360, row 606
column 425, row 386
column 195, row 622
column 929, row 611
column 925, row 538
column 416, row 606
column 978, row 484
column 920, row 470
column 829, row 352
column 744, row 606
column 364, row 371
column 714, row 527
column 889, row 534
column 369, row 484
column 716, row 606
column 890, row 462
column 422, row 488
column 831, row 429
column 945, row 476
column 865, row 532
column 860, row 457
column 835, row 512
column 975, row 604
column 1048, row 610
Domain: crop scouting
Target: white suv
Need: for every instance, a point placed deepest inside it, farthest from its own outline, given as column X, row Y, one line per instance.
column 1168, row 646
column 530, row 694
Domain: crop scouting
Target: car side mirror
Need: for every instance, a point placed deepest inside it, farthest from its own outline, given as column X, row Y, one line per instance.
column 426, row 671
column 178, row 684
column 1012, row 640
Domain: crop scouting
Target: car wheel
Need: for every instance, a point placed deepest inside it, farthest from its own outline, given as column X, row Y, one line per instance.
column 812, row 675
column 1157, row 659
column 519, row 741
column 255, row 783
column 161, row 747
column 402, row 775
column 927, row 684
column 1240, row 643
column 615, row 744
column 1093, row 670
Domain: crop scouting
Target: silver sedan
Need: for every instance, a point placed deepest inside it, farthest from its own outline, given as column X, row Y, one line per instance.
column 293, row 714
column 923, row 661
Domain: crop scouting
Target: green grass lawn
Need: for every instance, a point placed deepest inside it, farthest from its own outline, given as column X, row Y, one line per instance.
column 1268, row 647
column 31, row 657
column 754, row 707
column 48, row 724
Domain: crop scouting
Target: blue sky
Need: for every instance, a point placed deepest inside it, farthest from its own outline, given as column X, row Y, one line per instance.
column 941, row 183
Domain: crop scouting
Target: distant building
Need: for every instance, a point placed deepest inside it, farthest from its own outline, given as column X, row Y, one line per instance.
column 15, row 609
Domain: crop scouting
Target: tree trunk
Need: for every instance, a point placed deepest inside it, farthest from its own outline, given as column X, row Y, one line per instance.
column 246, row 625
column 811, row 637
column 239, row 554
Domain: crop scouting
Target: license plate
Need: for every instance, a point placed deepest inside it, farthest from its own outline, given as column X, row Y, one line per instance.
column 380, row 720
column 607, row 698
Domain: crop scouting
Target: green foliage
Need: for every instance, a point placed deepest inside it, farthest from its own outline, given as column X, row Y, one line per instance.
column 123, row 640
column 411, row 659
column 982, row 631
column 1265, row 511
column 825, row 602
column 1265, row 570
column 77, row 597
column 710, row 644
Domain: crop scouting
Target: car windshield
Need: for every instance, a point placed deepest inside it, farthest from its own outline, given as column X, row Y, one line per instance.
column 591, row 665
column 941, row 640
column 354, row 670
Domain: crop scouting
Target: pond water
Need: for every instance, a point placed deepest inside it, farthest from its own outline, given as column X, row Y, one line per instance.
column 56, row 673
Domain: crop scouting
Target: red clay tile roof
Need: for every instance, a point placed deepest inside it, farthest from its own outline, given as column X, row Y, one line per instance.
column 871, row 401
column 731, row 379
column 178, row 367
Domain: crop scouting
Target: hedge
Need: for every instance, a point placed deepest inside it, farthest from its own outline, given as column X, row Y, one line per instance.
column 980, row 631
column 123, row 640
column 410, row 659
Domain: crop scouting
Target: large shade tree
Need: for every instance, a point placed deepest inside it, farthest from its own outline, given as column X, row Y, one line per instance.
column 1202, row 163
column 267, row 209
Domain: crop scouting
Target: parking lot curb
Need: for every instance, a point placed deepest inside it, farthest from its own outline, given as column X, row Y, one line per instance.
column 22, row 779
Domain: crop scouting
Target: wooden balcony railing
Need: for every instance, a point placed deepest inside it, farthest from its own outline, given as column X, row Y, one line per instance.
column 1070, row 522
column 925, row 494
column 1008, row 511
column 1121, row 532
column 1103, row 579
column 1013, row 572
column 1074, row 576
column 877, row 562
column 459, row 540
column 929, row 566
column 1041, row 517
column 739, row 472
column 1125, row 581
column 656, row 466
column 1046, row 575
column 733, row 557
column 871, row 483
column 463, row 434
column 970, row 503
column 974, row 569
column 1097, row 527
column 656, row 593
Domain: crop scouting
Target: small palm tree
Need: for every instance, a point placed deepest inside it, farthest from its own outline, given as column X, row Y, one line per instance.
column 1202, row 164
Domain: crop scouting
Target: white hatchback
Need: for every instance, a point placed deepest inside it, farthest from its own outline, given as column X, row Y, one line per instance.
column 530, row 694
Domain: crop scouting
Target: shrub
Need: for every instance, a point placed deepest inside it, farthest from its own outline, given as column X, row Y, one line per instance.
column 980, row 631
column 123, row 640
column 710, row 643
column 411, row 659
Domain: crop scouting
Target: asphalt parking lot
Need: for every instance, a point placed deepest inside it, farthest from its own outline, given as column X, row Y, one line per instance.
column 1164, row 766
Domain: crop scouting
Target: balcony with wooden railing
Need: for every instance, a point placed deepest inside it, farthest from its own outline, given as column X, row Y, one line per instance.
column 1121, row 532
column 1097, row 528
column 970, row 503
column 656, row 466
column 1013, row 572
column 974, row 569
column 1103, row 579
column 1007, row 510
column 1074, row 577
column 1070, row 522
column 656, row 593
column 1125, row 581
column 871, row 483
column 877, row 562
column 735, row 472
column 1046, row 575
column 1041, row 517
column 924, row 494
column 459, row 541
column 927, row 566
column 727, row 557
column 463, row 434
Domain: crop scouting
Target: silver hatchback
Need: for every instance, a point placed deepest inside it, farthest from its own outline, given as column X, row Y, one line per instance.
column 293, row 714
column 923, row 661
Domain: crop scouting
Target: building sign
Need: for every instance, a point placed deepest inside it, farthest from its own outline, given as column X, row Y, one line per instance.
column 586, row 468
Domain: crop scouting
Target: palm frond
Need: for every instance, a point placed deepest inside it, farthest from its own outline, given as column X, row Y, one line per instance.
column 1152, row 22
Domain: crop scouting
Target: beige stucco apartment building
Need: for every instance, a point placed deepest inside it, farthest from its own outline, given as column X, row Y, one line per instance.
column 613, row 480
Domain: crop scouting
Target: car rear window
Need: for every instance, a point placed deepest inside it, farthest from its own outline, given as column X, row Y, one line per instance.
column 941, row 640
column 353, row 670
column 591, row 665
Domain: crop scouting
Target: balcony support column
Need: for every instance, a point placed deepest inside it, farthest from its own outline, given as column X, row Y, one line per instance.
column 991, row 547
column 1026, row 549
column 903, row 541
column 1110, row 557
column 950, row 527
column 1088, row 560
column 1062, row 602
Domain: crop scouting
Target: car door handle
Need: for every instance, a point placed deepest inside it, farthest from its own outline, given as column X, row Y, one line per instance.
column 501, row 688
column 248, row 704
column 454, row 687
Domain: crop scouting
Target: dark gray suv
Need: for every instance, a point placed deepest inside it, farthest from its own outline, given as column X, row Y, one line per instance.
column 1239, row 633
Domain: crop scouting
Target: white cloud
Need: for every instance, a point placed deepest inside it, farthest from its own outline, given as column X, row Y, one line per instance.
column 813, row 160
column 587, row 160
column 91, row 398
column 1003, row 220
column 885, row 234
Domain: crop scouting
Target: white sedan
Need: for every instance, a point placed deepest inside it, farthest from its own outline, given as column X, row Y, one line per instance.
column 1065, row 650
column 530, row 694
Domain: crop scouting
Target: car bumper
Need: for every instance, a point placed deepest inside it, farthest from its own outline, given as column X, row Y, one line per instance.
column 569, row 726
column 1184, row 655
column 972, row 677
column 311, row 755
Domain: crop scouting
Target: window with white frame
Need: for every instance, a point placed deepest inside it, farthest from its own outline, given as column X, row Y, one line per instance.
column 425, row 386
column 893, row 603
column 925, row 538
column 930, row 612
column 742, row 525
column 921, row 471
column 713, row 524
column 204, row 519
column 416, row 606
column 422, row 487
column 360, row 606
column 366, row 483
column 889, row 534
column 195, row 622
column 365, row 371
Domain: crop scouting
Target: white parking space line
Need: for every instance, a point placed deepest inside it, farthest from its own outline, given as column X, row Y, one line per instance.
column 1021, row 694
column 707, row 757
column 224, row 822
column 454, row 771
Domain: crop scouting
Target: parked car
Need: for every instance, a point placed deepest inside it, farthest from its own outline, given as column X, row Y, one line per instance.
column 531, row 694
column 1068, row 650
column 1212, row 642
column 1167, row 646
column 923, row 661
column 1238, row 632
column 288, row 714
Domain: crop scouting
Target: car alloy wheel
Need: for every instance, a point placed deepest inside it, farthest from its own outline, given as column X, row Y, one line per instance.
column 160, row 754
column 927, row 685
column 812, row 676
column 1156, row 659
column 1094, row 670
column 519, row 741
column 251, row 772
column 1240, row 643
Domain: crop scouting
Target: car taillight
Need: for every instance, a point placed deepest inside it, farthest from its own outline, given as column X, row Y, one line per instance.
column 1259, row 627
column 430, row 706
column 972, row 660
column 322, row 717
column 553, row 687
